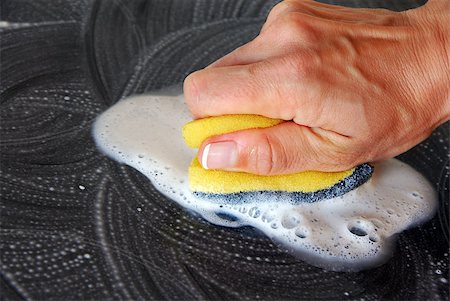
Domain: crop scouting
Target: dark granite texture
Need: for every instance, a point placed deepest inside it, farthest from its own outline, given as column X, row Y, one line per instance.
column 76, row 225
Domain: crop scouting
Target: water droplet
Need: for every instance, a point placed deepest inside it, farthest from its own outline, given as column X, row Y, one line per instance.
column 291, row 220
column 301, row 232
column 267, row 217
column 357, row 231
column 254, row 212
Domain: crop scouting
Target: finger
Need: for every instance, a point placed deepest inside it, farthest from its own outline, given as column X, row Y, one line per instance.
column 289, row 33
column 282, row 149
column 250, row 53
column 326, row 12
column 270, row 88
column 278, row 10
column 286, row 8
column 289, row 30
column 336, row 13
column 255, row 50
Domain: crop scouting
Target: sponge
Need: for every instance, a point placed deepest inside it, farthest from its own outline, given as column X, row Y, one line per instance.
column 195, row 132
column 307, row 186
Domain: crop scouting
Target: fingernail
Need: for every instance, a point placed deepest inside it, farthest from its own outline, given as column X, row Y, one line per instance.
column 220, row 155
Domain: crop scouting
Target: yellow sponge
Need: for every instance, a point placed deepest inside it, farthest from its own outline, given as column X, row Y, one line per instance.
column 308, row 185
column 223, row 182
column 195, row 132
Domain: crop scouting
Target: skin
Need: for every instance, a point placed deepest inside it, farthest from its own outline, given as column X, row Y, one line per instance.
column 354, row 85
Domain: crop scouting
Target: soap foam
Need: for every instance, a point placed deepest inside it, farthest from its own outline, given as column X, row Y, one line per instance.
column 350, row 232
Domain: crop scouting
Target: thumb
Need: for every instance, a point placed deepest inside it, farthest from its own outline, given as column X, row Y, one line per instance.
column 282, row 149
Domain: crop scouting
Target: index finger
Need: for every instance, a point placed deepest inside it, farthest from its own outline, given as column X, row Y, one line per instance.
column 270, row 88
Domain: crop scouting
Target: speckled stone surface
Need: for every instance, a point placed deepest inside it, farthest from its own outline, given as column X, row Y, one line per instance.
column 76, row 225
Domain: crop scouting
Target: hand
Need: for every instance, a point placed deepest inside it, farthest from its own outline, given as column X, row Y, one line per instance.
column 355, row 85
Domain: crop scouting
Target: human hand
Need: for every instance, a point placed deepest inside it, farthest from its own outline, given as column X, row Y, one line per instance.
column 355, row 85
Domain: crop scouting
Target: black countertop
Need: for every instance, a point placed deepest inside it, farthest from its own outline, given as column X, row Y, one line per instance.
column 70, row 228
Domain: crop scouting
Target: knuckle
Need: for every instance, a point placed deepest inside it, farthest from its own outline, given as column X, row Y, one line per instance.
column 293, row 26
column 264, row 160
column 276, row 10
column 190, row 86
column 289, row 26
column 269, row 157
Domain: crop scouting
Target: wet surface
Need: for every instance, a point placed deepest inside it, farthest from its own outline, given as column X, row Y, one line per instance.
column 77, row 225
